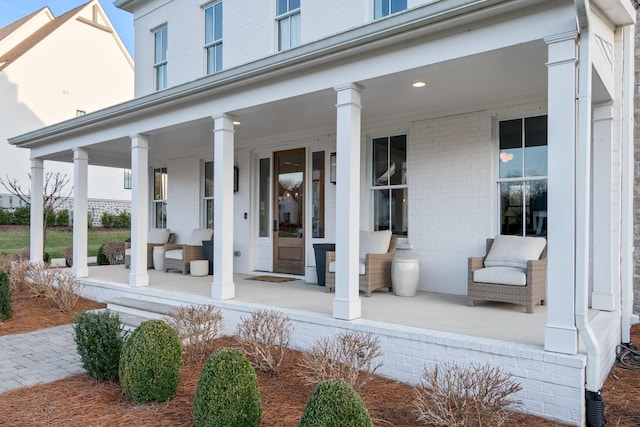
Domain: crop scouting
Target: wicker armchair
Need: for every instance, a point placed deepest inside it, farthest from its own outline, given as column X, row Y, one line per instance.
column 375, row 269
column 156, row 237
column 528, row 294
column 179, row 256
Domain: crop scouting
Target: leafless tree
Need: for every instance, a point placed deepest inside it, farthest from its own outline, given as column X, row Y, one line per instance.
column 54, row 193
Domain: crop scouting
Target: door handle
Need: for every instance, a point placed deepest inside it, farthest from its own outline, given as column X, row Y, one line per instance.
column 275, row 225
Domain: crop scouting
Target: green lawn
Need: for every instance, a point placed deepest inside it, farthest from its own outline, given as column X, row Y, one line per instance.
column 56, row 240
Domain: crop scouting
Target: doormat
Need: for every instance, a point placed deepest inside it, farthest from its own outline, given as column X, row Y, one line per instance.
column 272, row 279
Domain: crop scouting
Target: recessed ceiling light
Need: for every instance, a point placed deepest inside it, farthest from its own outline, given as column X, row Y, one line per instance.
column 419, row 84
column 236, row 123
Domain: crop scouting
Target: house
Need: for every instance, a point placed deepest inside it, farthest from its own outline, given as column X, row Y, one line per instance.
column 54, row 69
column 451, row 121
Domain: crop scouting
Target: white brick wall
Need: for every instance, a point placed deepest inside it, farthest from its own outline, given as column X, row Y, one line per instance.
column 249, row 32
column 183, row 193
column 552, row 383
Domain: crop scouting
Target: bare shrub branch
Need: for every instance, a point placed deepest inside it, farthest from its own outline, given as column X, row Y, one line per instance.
column 36, row 279
column 197, row 326
column 5, row 263
column 21, row 255
column 64, row 289
column 18, row 274
column 264, row 337
column 465, row 396
column 350, row 356
column 114, row 251
column 68, row 255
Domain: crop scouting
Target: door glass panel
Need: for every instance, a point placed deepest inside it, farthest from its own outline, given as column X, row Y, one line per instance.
column 290, row 198
column 265, row 184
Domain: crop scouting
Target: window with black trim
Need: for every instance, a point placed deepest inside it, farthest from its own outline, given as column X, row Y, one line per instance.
column 522, row 176
column 389, row 184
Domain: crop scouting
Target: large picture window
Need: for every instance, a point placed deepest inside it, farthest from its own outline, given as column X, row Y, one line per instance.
column 213, row 37
column 288, row 21
column 522, row 176
column 389, row 184
column 160, row 198
column 160, row 46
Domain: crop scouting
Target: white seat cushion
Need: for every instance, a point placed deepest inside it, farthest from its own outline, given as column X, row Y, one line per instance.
column 361, row 267
column 374, row 242
column 158, row 236
column 198, row 235
column 173, row 254
column 501, row 276
column 127, row 251
column 514, row 251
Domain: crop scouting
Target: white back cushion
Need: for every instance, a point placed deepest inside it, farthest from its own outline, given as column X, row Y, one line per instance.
column 514, row 251
column 158, row 235
column 198, row 235
column 374, row 242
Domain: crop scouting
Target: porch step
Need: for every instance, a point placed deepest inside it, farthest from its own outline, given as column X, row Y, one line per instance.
column 133, row 311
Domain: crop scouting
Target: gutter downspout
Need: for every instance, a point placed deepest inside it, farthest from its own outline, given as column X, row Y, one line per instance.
column 583, row 199
column 626, row 246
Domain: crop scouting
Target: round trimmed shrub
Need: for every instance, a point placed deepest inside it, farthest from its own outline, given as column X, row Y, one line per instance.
column 5, row 297
column 335, row 403
column 150, row 362
column 227, row 393
column 99, row 338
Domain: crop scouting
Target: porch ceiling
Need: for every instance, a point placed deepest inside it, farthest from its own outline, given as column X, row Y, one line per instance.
column 502, row 77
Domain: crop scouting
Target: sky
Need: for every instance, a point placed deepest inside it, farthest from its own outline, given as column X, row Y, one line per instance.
column 12, row 10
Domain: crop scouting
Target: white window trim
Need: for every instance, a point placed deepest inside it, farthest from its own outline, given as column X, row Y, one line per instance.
column 157, row 65
column 282, row 17
column 213, row 43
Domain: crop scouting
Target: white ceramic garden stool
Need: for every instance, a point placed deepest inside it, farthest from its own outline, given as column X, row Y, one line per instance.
column 199, row 267
column 158, row 257
column 404, row 276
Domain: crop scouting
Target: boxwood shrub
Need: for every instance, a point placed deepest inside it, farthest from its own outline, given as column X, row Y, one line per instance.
column 227, row 392
column 150, row 362
column 335, row 403
column 5, row 297
column 99, row 337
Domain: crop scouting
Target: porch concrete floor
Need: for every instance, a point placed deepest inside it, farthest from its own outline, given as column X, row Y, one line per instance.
column 427, row 310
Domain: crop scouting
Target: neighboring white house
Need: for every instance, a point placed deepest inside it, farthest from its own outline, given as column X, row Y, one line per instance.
column 451, row 121
column 54, row 69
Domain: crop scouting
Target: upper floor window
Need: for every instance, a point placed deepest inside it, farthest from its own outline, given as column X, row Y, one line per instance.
column 382, row 8
column 288, row 19
column 389, row 184
column 160, row 58
column 213, row 37
column 522, row 176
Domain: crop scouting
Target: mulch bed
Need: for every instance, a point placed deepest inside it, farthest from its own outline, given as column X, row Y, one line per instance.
column 79, row 401
column 30, row 313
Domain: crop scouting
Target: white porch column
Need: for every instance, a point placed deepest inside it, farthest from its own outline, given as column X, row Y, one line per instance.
column 606, row 199
column 560, row 331
column 223, row 158
column 347, row 304
column 36, row 233
column 80, row 212
column 139, row 210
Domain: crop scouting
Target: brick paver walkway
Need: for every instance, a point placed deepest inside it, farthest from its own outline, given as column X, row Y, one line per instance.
column 38, row 357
